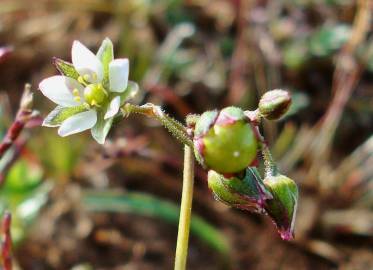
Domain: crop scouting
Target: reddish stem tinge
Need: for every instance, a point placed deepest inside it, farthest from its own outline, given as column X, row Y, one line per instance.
column 24, row 114
column 6, row 244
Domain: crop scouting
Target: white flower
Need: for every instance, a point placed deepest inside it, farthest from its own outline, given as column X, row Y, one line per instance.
column 89, row 92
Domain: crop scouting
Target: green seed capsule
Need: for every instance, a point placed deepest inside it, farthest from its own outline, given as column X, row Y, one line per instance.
column 283, row 207
column 225, row 141
column 274, row 104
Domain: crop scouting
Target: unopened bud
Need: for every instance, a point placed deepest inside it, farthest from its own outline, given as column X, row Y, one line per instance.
column 225, row 141
column 274, row 104
column 283, row 207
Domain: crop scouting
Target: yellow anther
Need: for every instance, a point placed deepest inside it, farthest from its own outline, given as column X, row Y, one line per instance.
column 86, row 77
column 76, row 92
column 77, row 99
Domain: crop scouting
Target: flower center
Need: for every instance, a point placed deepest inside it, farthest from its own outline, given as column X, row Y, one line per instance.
column 95, row 95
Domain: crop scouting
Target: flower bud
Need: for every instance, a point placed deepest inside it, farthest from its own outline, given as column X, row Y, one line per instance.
column 283, row 207
column 245, row 192
column 274, row 104
column 225, row 141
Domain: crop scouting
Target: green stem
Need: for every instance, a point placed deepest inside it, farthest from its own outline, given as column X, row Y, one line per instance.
column 177, row 129
column 180, row 132
column 185, row 210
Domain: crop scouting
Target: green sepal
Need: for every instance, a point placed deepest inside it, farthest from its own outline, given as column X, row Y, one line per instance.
column 130, row 92
column 221, row 191
column 231, row 114
column 106, row 55
column 245, row 192
column 204, row 123
column 65, row 68
column 102, row 127
column 283, row 207
column 250, row 185
column 198, row 157
column 60, row 114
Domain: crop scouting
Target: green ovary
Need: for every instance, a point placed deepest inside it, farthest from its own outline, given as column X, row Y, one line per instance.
column 230, row 148
column 95, row 95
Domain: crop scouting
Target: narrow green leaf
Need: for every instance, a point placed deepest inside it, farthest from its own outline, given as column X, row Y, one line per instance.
column 106, row 55
column 65, row 68
column 102, row 128
column 147, row 205
column 60, row 114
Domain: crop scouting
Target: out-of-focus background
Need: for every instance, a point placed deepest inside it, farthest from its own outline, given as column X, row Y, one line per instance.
column 78, row 205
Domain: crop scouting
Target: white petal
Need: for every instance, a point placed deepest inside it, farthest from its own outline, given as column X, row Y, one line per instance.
column 86, row 63
column 59, row 90
column 78, row 123
column 118, row 75
column 113, row 108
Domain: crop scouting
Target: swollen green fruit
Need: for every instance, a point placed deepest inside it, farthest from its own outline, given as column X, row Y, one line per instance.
column 274, row 104
column 283, row 207
column 245, row 192
column 225, row 141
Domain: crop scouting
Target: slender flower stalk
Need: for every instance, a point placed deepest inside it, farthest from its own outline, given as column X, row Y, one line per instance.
column 177, row 129
column 185, row 210
column 180, row 132
column 269, row 163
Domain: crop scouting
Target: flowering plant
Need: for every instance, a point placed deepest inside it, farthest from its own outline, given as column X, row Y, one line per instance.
column 92, row 91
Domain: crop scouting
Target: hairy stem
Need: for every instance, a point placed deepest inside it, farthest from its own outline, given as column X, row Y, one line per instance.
column 269, row 163
column 185, row 210
column 177, row 129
